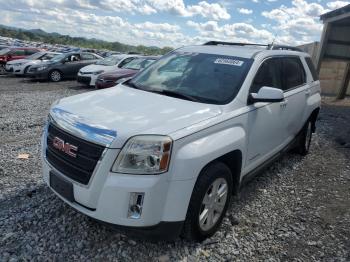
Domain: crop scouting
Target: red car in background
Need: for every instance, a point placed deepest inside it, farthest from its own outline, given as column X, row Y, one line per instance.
column 128, row 70
column 13, row 53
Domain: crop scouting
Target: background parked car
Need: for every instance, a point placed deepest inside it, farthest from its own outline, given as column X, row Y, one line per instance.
column 63, row 66
column 128, row 70
column 88, row 75
column 21, row 66
column 14, row 53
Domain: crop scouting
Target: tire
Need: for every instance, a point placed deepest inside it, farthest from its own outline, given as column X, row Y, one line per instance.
column 305, row 138
column 198, row 224
column 25, row 71
column 55, row 76
column 2, row 69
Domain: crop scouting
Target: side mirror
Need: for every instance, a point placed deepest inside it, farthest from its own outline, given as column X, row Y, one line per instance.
column 267, row 94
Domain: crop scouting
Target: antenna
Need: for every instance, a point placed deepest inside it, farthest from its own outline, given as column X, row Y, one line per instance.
column 273, row 41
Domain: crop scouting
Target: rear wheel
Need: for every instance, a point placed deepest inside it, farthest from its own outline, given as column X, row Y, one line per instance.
column 305, row 139
column 209, row 202
column 55, row 76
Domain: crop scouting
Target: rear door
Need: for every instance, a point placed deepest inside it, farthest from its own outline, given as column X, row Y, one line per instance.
column 16, row 54
column 295, row 89
column 87, row 59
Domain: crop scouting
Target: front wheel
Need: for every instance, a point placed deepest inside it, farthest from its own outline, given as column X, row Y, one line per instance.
column 25, row 71
column 2, row 69
column 55, row 76
column 209, row 202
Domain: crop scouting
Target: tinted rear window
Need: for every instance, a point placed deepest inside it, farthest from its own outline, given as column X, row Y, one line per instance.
column 293, row 73
column 312, row 68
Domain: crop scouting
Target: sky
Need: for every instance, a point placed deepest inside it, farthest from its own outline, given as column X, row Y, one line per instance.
column 173, row 23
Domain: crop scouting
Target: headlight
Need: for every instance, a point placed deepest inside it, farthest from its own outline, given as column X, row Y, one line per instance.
column 41, row 68
column 19, row 64
column 146, row 154
column 98, row 72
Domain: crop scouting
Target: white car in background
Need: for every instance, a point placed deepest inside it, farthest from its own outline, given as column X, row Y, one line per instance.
column 21, row 66
column 88, row 74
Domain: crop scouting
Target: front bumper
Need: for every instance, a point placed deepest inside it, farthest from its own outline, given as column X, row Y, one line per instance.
column 40, row 75
column 107, row 196
column 9, row 68
column 18, row 70
column 87, row 79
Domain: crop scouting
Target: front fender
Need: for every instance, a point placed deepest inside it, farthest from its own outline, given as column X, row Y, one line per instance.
column 193, row 153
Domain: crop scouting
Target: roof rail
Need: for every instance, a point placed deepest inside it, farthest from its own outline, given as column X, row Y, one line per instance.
column 231, row 43
column 284, row 47
column 268, row 47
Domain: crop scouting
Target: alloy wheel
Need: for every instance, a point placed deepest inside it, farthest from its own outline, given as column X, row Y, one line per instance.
column 55, row 76
column 213, row 204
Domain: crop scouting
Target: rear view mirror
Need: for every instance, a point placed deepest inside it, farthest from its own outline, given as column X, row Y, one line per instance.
column 267, row 94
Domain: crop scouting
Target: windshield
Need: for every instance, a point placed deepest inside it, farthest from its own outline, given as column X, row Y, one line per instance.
column 35, row 56
column 207, row 78
column 4, row 51
column 138, row 63
column 109, row 61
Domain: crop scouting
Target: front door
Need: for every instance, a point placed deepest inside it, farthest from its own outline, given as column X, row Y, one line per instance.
column 265, row 120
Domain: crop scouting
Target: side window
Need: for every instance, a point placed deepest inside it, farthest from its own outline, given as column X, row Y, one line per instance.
column 312, row 68
column 125, row 61
column 72, row 58
column 88, row 56
column 17, row 52
column 30, row 52
column 267, row 75
column 293, row 73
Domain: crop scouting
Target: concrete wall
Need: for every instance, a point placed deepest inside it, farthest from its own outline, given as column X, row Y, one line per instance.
column 331, row 76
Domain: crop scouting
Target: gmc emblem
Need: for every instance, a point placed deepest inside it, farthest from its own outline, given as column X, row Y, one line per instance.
column 67, row 148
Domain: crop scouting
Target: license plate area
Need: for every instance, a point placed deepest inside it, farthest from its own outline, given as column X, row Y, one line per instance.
column 61, row 186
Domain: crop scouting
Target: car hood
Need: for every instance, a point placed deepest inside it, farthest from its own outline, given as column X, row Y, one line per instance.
column 116, row 74
column 94, row 68
column 44, row 63
column 111, row 116
column 17, row 61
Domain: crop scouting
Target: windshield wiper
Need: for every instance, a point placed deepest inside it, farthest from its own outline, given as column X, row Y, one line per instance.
column 175, row 94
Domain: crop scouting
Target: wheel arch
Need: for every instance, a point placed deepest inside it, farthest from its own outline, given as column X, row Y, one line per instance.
column 313, row 118
column 233, row 160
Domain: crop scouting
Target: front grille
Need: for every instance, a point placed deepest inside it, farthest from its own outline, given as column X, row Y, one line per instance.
column 84, row 79
column 79, row 168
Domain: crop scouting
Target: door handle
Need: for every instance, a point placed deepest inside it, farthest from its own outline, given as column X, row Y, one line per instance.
column 307, row 92
column 284, row 104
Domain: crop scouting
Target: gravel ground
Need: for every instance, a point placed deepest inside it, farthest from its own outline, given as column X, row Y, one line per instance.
column 299, row 209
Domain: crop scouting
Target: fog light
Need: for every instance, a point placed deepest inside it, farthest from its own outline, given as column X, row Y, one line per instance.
column 135, row 205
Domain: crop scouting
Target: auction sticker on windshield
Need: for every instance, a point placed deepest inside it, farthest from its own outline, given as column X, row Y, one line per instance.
column 227, row 61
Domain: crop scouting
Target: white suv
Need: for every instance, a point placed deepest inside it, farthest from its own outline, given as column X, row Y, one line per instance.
column 161, row 154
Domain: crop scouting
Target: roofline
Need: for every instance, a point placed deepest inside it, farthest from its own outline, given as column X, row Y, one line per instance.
column 336, row 12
